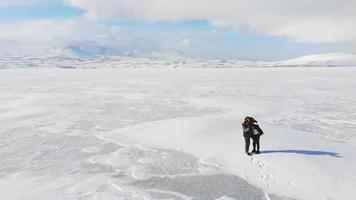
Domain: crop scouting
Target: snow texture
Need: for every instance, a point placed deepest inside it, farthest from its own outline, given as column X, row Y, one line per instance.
column 174, row 133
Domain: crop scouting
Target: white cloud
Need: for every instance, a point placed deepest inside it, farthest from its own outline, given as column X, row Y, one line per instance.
column 32, row 35
column 302, row 20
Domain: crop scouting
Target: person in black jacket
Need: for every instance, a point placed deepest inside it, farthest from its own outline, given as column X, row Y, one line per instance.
column 256, row 134
column 247, row 133
column 251, row 130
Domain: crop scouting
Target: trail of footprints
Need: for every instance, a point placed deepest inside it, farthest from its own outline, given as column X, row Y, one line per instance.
column 267, row 177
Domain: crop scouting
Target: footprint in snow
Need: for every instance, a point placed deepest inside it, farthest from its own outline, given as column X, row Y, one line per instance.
column 259, row 163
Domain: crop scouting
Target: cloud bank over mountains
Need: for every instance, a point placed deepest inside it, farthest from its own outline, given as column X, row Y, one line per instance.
column 302, row 20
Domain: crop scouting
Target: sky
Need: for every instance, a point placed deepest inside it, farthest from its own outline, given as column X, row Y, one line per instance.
column 217, row 29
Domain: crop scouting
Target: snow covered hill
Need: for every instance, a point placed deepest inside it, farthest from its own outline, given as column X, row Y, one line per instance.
column 322, row 60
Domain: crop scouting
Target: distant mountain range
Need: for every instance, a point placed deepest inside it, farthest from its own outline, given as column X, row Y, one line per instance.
column 81, row 52
column 95, row 51
column 155, row 54
column 97, row 56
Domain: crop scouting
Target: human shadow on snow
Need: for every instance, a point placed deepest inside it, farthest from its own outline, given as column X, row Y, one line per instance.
column 305, row 152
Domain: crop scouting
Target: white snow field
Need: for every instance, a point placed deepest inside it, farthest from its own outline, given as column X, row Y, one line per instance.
column 157, row 133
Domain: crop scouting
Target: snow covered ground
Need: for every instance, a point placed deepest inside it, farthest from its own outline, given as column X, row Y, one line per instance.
column 151, row 133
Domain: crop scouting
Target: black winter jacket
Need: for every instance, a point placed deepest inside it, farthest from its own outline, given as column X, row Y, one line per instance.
column 248, row 130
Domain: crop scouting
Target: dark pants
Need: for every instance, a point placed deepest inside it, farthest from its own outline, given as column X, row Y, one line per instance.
column 247, row 144
column 256, row 142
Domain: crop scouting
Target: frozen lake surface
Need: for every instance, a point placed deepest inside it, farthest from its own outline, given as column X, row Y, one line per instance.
column 176, row 133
